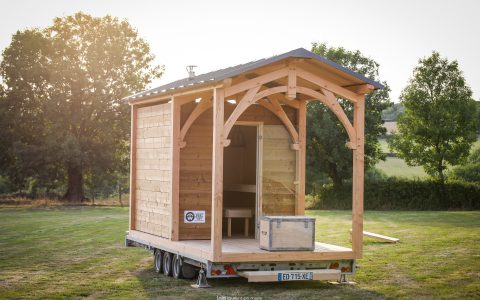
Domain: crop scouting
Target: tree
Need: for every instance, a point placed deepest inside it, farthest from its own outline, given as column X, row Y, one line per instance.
column 326, row 137
column 470, row 171
column 63, row 87
column 438, row 126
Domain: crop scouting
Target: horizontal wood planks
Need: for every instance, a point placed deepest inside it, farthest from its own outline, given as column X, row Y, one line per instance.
column 279, row 172
column 153, row 170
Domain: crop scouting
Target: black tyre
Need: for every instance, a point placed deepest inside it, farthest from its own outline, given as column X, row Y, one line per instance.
column 167, row 263
column 157, row 261
column 177, row 267
column 188, row 271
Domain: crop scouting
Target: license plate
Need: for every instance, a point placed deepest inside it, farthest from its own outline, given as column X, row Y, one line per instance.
column 294, row 276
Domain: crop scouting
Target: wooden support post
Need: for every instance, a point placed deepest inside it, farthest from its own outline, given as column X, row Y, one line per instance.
column 175, row 187
column 358, row 173
column 301, row 157
column 292, row 82
column 217, row 173
column 133, row 166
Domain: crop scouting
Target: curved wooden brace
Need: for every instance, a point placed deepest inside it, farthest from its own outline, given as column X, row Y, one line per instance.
column 277, row 109
column 270, row 91
column 199, row 109
column 329, row 99
column 246, row 101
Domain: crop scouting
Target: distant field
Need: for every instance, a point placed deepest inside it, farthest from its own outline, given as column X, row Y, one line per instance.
column 394, row 166
column 77, row 252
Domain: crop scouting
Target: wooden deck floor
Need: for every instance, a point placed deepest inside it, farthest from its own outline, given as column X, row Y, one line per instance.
column 242, row 249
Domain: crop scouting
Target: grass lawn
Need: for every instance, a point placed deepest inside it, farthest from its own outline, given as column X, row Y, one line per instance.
column 78, row 252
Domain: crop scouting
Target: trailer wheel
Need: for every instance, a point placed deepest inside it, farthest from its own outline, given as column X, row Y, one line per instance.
column 167, row 263
column 188, row 271
column 158, row 261
column 177, row 267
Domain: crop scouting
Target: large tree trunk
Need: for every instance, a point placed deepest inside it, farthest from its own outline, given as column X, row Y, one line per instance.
column 75, row 191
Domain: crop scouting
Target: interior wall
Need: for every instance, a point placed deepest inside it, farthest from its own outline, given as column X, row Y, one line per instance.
column 196, row 163
column 279, row 172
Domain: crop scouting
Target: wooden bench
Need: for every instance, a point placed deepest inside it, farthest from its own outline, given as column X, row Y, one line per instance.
column 237, row 213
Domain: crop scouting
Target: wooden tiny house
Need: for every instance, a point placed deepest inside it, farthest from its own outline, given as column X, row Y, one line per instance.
column 232, row 143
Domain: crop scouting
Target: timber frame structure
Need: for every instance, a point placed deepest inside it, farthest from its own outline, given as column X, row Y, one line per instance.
column 280, row 85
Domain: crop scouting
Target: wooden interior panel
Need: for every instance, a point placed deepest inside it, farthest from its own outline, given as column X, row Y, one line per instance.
column 279, row 172
column 153, row 170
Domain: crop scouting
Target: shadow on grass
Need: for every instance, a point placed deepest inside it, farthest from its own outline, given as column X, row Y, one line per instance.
column 159, row 286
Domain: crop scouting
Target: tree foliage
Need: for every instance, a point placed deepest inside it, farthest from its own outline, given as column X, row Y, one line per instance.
column 326, row 137
column 62, row 87
column 438, row 126
column 470, row 171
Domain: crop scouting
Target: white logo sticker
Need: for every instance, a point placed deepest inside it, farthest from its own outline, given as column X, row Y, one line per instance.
column 194, row 216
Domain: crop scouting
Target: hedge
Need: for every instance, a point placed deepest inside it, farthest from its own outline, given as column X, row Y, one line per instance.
column 402, row 194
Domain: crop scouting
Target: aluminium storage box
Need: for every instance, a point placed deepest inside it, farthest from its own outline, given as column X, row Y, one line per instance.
column 287, row 233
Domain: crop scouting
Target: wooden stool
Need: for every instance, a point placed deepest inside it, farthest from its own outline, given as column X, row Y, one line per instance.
column 237, row 213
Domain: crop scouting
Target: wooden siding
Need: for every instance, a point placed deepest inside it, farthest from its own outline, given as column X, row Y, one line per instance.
column 153, row 170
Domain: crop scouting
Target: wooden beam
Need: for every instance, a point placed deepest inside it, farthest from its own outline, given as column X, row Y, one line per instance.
column 358, row 174
column 163, row 97
column 201, row 107
column 247, row 100
column 292, row 82
column 331, row 102
column 277, row 109
column 325, row 84
column 133, row 167
column 282, row 99
column 256, row 82
column 217, row 172
column 361, row 89
column 301, row 157
column 175, row 185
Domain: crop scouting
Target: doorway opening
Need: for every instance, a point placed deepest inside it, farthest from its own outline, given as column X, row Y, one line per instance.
column 240, row 182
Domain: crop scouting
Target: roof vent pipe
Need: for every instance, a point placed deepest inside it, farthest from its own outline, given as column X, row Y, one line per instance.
column 191, row 71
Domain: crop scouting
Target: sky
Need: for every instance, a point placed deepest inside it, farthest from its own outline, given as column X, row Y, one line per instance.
column 219, row 34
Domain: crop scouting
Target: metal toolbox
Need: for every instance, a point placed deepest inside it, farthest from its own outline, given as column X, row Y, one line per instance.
column 287, row 233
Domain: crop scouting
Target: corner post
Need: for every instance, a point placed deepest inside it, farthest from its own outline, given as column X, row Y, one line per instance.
column 217, row 173
column 358, row 176
column 175, row 183
column 133, row 166
column 301, row 157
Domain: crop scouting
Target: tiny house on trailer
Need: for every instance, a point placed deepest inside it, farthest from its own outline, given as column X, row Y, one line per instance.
column 218, row 170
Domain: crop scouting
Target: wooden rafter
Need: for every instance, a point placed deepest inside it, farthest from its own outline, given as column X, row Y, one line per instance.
column 362, row 89
column 257, row 81
column 275, row 107
column 329, row 99
column 204, row 105
column 325, row 84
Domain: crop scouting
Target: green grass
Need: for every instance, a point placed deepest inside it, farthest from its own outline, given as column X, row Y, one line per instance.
column 397, row 167
column 78, row 252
